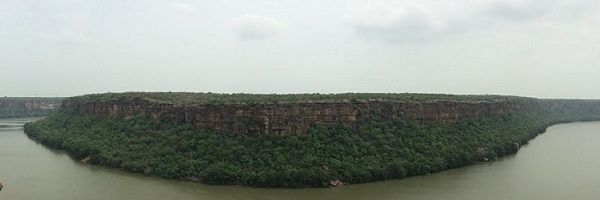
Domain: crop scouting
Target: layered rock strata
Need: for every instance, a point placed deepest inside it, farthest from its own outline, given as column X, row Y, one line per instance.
column 289, row 118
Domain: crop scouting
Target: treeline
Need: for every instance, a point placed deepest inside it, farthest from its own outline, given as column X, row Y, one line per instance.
column 220, row 98
column 28, row 106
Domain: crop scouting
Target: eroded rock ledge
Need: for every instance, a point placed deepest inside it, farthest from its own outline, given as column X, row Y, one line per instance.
column 289, row 118
column 454, row 131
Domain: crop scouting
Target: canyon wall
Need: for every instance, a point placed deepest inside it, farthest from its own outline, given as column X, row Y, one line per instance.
column 288, row 118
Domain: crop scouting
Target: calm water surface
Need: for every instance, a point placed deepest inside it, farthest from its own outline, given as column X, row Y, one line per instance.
column 561, row 164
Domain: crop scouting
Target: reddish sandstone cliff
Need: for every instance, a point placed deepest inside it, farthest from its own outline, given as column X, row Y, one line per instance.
column 286, row 118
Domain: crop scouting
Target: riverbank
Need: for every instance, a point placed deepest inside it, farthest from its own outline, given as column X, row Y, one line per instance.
column 153, row 137
column 324, row 155
column 556, row 165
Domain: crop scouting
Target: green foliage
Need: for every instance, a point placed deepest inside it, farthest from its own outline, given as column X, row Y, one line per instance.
column 188, row 98
column 375, row 151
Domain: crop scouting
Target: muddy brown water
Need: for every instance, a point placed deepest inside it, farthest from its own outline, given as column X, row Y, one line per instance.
column 563, row 163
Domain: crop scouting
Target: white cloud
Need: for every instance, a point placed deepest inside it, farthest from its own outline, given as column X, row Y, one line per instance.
column 553, row 10
column 183, row 7
column 254, row 27
column 518, row 9
column 408, row 23
column 401, row 24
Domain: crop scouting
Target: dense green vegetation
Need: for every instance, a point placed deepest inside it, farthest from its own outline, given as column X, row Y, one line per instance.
column 28, row 106
column 218, row 98
column 375, row 150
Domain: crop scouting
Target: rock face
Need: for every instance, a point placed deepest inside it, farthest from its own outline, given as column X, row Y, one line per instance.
column 289, row 118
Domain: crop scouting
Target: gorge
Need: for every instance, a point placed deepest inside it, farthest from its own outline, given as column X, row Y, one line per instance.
column 297, row 140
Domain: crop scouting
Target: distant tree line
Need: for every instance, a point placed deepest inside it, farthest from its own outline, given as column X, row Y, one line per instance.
column 236, row 98
column 28, row 106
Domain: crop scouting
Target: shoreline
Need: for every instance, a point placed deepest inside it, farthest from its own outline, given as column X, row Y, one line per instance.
column 85, row 161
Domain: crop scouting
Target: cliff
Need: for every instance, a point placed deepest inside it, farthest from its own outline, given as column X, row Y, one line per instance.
column 294, row 117
column 297, row 140
column 28, row 106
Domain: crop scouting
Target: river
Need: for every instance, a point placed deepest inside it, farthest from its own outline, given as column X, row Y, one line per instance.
column 563, row 163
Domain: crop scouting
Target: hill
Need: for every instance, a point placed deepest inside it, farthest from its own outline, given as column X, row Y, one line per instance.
column 297, row 140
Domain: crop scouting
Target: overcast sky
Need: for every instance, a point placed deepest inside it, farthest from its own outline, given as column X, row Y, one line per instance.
column 538, row 48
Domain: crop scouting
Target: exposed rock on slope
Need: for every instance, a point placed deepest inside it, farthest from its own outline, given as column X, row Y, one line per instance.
column 297, row 140
column 296, row 117
column 286, row 118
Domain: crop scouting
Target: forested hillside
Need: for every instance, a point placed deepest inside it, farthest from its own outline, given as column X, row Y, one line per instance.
column 326, row 155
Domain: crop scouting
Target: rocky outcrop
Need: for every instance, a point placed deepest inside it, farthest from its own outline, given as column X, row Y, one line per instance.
column 288, row 118
column 86, row 160
column 336, row 183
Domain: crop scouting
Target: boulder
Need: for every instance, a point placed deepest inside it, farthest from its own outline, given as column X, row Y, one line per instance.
column 86, row 160
column 335, row 183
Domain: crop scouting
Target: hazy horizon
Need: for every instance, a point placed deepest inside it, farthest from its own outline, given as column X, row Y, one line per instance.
column 533, row 48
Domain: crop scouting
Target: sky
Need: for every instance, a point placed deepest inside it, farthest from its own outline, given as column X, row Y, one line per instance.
column 536, row 48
